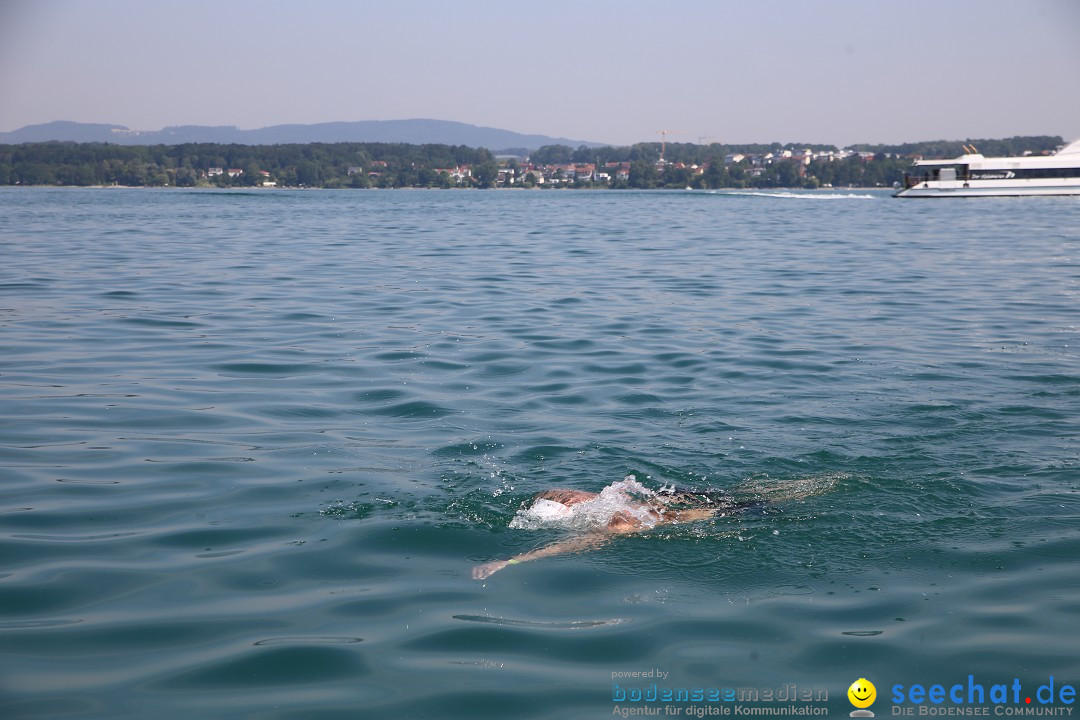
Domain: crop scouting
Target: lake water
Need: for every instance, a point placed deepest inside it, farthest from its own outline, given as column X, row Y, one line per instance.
column 252, row 445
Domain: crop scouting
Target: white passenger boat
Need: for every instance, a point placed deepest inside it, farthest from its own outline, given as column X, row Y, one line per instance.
column 973, row 175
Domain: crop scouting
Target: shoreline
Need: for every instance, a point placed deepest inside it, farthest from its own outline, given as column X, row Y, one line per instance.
column 462, row 189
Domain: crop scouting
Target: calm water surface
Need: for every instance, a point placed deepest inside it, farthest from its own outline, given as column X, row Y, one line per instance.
column 251, row 445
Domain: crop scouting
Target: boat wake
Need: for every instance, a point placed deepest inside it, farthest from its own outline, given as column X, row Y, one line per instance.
column 788, row 195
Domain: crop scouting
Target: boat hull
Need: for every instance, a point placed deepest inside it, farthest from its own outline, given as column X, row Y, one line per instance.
column 991, row 188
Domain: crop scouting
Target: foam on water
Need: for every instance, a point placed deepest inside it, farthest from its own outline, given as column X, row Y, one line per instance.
column 627, row 496
column 788, row 195
column 775, row 491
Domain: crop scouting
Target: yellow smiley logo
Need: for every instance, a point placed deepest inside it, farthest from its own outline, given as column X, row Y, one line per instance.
column 862, row 693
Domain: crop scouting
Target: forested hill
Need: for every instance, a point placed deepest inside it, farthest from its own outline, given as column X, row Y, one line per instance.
column 416, row 132
column 699, row 154
column 392, row 165
column 308, row 165
column 953, row 148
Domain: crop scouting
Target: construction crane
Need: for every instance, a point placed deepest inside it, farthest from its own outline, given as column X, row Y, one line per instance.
column 663, row 140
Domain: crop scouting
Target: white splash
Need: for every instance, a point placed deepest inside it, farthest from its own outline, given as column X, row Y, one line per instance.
column 627, row 496
column 787, row 195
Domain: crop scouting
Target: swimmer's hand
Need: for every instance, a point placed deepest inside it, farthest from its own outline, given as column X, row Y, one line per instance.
column 481, row 572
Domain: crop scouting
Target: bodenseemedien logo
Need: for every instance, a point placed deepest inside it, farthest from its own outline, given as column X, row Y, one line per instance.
column 862, row 694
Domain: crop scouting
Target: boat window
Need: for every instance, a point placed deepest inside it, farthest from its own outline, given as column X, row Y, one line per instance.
column 951, row 172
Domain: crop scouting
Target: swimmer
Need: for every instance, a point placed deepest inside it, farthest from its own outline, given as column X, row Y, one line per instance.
column 621, row 508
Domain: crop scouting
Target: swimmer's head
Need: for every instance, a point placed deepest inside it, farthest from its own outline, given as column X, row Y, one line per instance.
column 544, row 509
column 543, row 513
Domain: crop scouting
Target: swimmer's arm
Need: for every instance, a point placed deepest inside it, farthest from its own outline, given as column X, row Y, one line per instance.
column 579, row 544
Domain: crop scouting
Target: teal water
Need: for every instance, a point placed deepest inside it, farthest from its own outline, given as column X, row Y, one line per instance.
column 253, row 443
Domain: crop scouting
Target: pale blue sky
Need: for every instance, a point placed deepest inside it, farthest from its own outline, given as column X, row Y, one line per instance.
column 837, row 72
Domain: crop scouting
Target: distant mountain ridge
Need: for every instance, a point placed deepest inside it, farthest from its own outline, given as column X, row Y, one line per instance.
column 413, row 132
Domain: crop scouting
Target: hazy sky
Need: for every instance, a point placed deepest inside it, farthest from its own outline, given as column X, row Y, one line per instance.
column 615, row 71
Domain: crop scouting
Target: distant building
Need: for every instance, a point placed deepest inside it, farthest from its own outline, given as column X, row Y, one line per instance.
column 214, row 172
column 461, row 173
column 584, row 172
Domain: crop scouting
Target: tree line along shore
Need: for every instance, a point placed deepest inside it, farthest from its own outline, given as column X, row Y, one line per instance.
column 399, row 165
